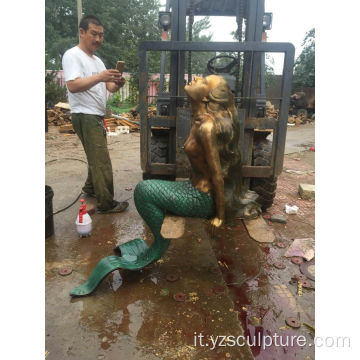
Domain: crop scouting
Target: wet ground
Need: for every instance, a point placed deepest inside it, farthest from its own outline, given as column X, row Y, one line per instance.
column 228, row 282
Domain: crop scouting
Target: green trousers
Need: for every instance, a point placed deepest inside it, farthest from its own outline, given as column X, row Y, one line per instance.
column 91, row 131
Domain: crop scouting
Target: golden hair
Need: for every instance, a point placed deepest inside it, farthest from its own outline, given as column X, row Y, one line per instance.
column 220, row 103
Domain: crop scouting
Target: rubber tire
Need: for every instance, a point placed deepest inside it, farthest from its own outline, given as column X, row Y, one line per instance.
column 148, row 176
column 264, row 187
column 159, row 148
column 159, row 154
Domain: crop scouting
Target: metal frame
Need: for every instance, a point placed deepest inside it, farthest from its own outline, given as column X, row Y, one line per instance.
column 253, row 48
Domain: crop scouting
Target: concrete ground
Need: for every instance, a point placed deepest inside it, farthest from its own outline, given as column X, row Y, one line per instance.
column 231, row 285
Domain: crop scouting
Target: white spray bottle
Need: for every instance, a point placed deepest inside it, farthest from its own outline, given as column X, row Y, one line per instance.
column 83, row 221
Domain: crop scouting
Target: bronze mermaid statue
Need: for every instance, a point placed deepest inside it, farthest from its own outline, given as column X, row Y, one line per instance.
column 214, row 190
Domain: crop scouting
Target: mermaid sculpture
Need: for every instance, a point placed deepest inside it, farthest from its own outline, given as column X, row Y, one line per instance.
column 214, row 190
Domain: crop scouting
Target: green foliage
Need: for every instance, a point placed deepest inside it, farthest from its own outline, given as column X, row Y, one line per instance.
column 123, row 108
column 126, row 24
column 60, row 29
column 304, row 72
column 269, row 71
column 199, row 59
column 133, row 89
column 114, row 100
column 54, row 92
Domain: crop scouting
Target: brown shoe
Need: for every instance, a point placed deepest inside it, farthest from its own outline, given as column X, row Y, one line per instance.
column 118, row 208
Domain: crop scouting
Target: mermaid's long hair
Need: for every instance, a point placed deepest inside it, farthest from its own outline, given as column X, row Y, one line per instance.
column 221, row 104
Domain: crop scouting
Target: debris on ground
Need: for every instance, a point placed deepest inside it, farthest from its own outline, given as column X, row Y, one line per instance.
column 302, row 247
column 293, row 120
column 271, row 111
column 308, row 269
column 279, row 265
column 58, row 115
column 291, row 209
column 278, row 218
column 297, row 120
column 164, row 292
column 173, row 227
column 307, row 191
column 298, row 277
column 119, row 130
column 179, row 297
column 281, row 244
column 193, row 297
column 298, row 172
column 309, row 326
column 293, row 322
column 62, row 105
column 307, row 284
column 172, row 277
column 300, row 289
column 65, row 271
column 67, row 128
column 123, row 129
column 297, row 260
column 114, row 122
column 133, row 116
column 259, row 230
column 254, row 321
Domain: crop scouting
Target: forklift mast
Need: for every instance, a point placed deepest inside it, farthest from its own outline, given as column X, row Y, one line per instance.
column 173, row 111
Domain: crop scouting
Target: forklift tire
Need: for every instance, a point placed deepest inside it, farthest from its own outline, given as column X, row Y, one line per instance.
column 159, row 148
column 148, row 176
column 159, row 154
column 264, row 187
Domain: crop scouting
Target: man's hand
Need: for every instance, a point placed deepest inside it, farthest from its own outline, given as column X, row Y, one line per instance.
column 112, row 78
column 114, row 86
column 120, row 82
column 111, row 75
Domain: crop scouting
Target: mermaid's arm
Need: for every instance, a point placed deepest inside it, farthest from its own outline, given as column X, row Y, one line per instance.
column 207, row 135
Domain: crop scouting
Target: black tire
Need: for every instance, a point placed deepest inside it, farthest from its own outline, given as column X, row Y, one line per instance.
column 159, row 154
column 148, row 176
column 159, row 148
column 264, row 187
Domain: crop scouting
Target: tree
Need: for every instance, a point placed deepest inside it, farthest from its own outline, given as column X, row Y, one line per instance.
column 126, row 24
column 54, row 92
column 60, row 30
column 304, row 71
column 199, row 60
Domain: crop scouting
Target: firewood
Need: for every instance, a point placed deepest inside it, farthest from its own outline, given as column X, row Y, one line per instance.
column 67, row 128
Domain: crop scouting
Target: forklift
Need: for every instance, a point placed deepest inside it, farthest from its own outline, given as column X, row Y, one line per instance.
column 162, row 136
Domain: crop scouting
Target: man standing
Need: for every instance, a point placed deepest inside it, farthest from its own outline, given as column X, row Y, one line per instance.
column 87, row 81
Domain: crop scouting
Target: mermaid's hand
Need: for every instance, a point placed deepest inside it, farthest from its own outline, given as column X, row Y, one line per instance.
column 215, row 223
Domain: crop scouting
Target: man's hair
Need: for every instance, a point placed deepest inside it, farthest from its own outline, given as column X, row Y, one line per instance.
column 89, row 19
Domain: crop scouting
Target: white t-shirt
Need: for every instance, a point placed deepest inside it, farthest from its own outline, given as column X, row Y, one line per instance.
column 77, row 64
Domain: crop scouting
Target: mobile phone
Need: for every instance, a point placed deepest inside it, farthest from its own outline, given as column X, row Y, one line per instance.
column 120, row 66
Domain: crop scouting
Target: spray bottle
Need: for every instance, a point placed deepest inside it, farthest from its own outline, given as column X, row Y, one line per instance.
column 83, row 221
